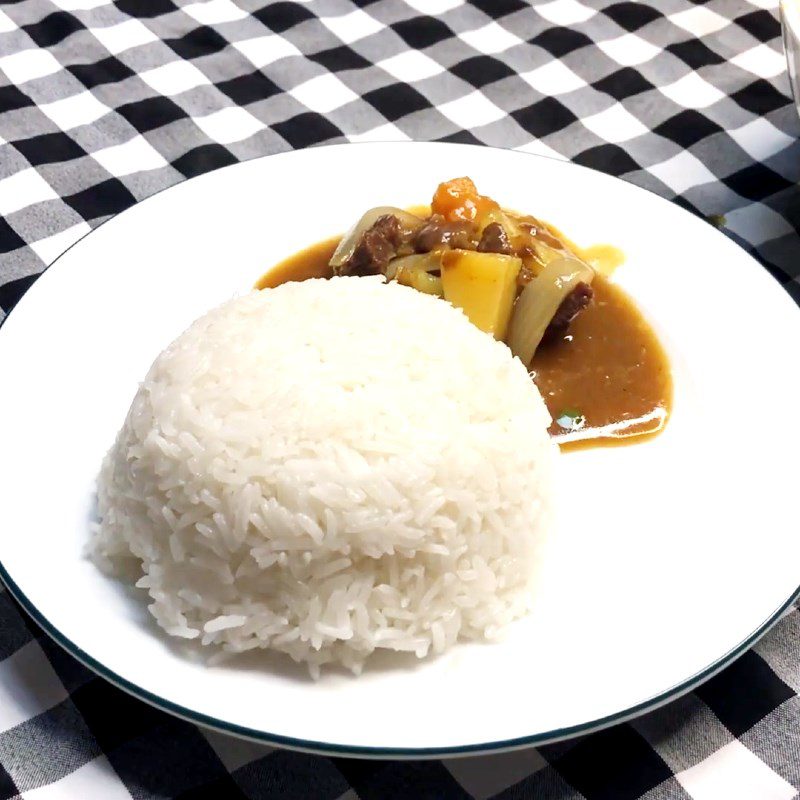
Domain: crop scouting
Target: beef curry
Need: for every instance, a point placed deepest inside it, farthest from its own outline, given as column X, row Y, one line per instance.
column 597, row 362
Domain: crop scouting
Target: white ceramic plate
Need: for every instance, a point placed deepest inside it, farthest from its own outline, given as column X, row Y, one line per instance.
column 673, row 556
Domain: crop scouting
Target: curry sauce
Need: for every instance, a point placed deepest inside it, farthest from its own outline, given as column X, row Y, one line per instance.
column 606, row 382
column 609, row 368
column 309, row 263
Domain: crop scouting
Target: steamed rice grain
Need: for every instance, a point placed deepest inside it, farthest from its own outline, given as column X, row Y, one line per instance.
column 329, row 468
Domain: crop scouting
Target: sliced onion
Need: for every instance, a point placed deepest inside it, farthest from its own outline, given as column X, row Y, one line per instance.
column 548, row 254
column 512, row 227
column 415, row 271
column 539, row 301
column 421, row 280
column 408, row 222
column 427, row 262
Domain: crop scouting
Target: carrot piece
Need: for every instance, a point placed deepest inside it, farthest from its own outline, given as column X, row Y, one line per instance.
column 458, row 199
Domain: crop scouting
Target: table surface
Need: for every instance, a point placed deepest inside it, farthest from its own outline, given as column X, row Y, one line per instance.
column 100, row 108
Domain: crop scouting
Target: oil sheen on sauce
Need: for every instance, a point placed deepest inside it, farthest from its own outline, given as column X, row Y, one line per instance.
column 606, row 382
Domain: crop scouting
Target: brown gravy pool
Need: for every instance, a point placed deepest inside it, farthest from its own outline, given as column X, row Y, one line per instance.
column 610, row 366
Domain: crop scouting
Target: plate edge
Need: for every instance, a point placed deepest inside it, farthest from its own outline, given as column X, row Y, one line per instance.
column 363, row 751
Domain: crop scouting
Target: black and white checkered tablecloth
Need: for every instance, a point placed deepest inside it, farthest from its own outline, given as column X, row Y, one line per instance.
column 102, row 104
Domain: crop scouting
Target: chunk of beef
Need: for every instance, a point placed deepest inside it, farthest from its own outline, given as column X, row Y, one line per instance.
column 438, row 234
column 389, row 227
column 495, row 240
column 377, row 247
column 572, row 305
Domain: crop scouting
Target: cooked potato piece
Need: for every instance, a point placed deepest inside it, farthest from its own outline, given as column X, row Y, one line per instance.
column 483, row 285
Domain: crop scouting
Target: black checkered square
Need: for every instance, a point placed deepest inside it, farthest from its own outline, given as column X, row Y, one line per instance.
column 294, row 776
column 745, row 693
column 395, row 780
column 615, row 764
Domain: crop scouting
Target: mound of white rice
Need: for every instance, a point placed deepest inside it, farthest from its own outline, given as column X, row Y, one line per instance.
column 327, row 468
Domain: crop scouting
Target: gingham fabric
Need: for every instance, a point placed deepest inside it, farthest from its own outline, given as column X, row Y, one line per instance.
column 103, row 104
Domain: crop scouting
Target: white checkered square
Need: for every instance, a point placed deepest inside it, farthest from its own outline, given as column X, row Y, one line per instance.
column 538, row 148
column 472, row 111
column 734, row 773
column 433, row 7
column 761, row 60
column 353, row 26
column 265, row 50
column 681, row 172
column 565, row 12
column 760, row 139
column 410, row 66
column 174, row 77
column 24, row 188
column 214, row 12
column 28, row 65
column 78, row 5
column 629, row 50
column 228, row 125
column 79, row 109
column 553, row 78
column 383, row 133
column 615, row 124
column 135, row 155
column 692, row 91
column 324, row 93
column 124, row 36
column 490, row 39
column 6, row 23
column 699, row 21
